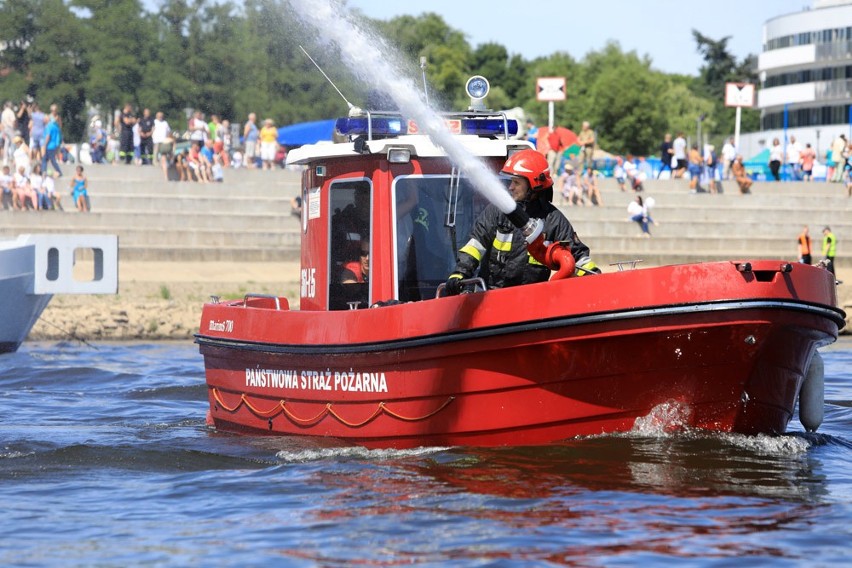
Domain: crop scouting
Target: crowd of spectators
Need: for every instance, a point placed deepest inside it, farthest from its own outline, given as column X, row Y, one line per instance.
column 704, row 167
column 31, row 149
column 200, row 153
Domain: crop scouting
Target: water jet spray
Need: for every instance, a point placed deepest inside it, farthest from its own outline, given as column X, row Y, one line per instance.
column 373, row 65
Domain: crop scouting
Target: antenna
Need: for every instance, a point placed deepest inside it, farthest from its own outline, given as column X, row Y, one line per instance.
column 423, row 69
column 350, row 105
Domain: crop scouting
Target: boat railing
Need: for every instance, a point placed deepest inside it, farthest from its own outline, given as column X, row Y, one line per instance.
column 273, row 297
column 630, row 264
column 477, row 282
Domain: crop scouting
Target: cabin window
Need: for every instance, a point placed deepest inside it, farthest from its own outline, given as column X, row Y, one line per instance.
column 349, row 245
column 434, row 216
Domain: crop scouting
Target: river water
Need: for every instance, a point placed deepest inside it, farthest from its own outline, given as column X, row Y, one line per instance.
column 105, row 460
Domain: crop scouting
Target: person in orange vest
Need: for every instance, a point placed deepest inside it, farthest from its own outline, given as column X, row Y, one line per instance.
column 358, row 271
column 805, row 246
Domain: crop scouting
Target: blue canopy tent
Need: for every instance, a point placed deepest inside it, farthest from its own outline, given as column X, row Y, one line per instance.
column 757, row 167
column 306, row 133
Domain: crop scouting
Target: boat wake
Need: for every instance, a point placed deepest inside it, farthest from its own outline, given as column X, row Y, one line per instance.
column 664, row 419
column 353, row 452
column 671, row 420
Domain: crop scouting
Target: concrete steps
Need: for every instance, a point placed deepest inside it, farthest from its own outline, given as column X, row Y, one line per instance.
column 247, row 218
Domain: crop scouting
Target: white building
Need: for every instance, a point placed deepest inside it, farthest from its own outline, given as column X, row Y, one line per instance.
column 805, row 66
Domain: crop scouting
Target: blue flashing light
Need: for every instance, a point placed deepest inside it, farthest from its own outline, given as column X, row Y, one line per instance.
column 488, row 126
column 382, row 126
column 396, row 126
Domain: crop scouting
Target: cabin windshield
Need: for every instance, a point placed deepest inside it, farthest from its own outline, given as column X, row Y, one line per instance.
column 434, row 216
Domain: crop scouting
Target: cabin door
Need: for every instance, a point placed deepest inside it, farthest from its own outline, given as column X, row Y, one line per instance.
column 349, row 244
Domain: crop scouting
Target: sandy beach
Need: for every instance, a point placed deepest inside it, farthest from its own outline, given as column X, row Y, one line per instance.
column 163, row 300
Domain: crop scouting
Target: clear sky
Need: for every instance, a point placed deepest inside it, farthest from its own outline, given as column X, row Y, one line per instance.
column 661, row 29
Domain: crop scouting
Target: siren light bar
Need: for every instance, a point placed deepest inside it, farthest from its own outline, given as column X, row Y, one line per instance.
column 396, row 126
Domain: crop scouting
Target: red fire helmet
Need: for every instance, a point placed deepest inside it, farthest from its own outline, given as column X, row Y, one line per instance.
column 529, row 164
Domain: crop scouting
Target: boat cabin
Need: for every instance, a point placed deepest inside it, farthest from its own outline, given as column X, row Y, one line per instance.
column 385, row 213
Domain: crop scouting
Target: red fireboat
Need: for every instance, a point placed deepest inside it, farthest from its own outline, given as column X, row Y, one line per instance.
column 377, row 356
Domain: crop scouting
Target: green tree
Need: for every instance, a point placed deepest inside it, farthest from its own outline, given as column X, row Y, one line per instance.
column 167, row 87
column 516, row 78
column 625, row 107
column 119, row 40
column 446, row 50
column 18, row 28
column 617, row 92
column 721, row 67
column 281, row 83
column 44, row 57
column 684, row 107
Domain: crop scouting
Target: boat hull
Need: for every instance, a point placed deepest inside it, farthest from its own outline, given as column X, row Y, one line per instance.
column 19, row 316
column 20, row 308
column 469, row 375
column 35, row 267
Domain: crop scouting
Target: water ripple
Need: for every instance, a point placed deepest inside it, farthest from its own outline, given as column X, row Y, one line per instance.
column 109, row 448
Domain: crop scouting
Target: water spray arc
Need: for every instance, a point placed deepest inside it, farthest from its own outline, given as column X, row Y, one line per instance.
column 374, row 65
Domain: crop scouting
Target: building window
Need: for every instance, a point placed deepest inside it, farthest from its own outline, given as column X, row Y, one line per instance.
column 817, row 116
column 808, row 76
column 831, row 35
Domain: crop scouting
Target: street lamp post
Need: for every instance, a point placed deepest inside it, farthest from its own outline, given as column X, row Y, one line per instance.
column 698, row 122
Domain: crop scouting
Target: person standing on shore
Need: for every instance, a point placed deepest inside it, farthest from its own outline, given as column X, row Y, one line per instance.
column 532, row 132
column 808, row 157
column 268, row 143
column 555, row 149
column 679, row 148
column 804, row 241
column 696, row 165
column 586, row 140
column 146, row 140
column 38, row 123
column 838, row 151
column 829, row 247
column 251, row 134
column 52, row 144
column 8, row 121
column 729, row 155
column 164, row 145
column 666, row 157
column 776, row 154
column 794, row 159
column 124, row 124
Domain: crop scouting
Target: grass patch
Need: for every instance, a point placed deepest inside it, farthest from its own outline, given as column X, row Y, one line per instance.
column 165, row 293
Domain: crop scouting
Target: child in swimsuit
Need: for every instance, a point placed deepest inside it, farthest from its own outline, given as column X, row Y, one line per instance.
column 78, row 190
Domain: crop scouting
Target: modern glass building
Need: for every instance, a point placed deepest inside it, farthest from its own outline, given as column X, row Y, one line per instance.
column 805, row 71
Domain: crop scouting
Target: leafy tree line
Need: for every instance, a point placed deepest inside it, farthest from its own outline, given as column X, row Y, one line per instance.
column 232, row 58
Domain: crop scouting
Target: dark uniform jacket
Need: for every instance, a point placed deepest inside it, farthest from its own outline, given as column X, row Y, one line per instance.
column 501, row 248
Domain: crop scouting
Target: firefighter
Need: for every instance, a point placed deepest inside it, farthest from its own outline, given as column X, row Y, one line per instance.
column 500, row 246
column 146, row 130
column 124, row 124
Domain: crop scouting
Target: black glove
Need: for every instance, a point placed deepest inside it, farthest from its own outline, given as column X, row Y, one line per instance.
column 454, row 284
